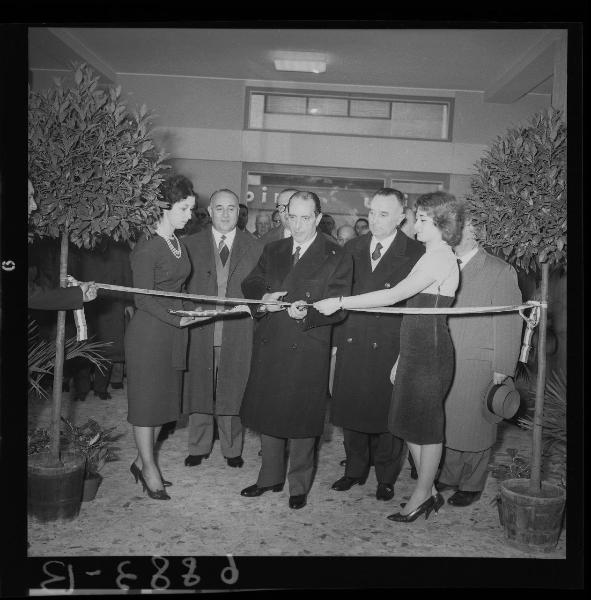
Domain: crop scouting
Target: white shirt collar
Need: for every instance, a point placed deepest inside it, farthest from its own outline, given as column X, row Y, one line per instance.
column 467, row 257
column 303, row 247
column 386, row 243
column 229, row 241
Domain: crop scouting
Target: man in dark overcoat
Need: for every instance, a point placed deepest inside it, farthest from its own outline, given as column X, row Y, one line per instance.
column 367, row 348
column 219, row 350
column 486, row 351
column 286, row 395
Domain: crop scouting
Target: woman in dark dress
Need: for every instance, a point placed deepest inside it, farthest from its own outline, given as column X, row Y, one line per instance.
column 423, row 372
column 156, row 341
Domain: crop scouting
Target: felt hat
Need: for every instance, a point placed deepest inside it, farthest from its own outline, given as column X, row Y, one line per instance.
column 500, row 401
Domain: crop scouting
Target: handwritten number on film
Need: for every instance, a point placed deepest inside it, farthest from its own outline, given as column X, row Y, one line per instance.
column 56, row 578
column 159, row 581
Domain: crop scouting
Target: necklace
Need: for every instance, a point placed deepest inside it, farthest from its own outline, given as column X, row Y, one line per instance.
column 176, row 251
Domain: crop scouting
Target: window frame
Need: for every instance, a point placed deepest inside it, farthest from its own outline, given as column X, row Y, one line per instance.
column 390, row 98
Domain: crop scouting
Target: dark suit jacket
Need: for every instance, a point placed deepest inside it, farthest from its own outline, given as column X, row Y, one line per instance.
column 273, row 235
column 234, row 362
column 368, row 343
column 288, row 385
column 58, row 299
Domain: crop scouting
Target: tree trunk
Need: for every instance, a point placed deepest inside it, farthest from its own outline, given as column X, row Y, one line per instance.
column 536, row 464
column 58, row 370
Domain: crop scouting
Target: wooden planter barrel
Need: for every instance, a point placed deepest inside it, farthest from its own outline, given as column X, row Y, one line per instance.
column 532, row 523
column 55, row 492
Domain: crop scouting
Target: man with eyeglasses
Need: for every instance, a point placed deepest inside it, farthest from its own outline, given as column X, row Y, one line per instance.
column 283, row 230
column 287, row 391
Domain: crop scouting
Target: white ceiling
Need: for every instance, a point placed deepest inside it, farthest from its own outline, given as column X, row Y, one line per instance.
column 454, row 59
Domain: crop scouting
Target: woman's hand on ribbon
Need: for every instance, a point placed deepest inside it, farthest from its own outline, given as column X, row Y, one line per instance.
column 298, row 310
column 328, row 306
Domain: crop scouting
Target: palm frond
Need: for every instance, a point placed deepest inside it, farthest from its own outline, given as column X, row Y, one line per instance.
column 553, row 423
column 41, row 355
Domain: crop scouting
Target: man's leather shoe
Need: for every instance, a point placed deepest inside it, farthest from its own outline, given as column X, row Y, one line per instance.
column 297, row 501
column 254, row 490
column 235, row 461
column 346, row 483
column 194, row 459
column 442, row 487
column 462, row 498
column 385, row 491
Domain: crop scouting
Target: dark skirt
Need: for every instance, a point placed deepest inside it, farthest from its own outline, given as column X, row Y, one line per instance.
column 153, row 383
column 424, row 374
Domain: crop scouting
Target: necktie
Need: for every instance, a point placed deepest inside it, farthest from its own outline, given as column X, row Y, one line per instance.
column 296, row 254
column 376, row 253
column 223, row 250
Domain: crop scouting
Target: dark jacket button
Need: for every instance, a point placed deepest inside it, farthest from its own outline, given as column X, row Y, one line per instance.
column 308, row 294
column 374, row 345
column 387, row 285
column 349, row 340
column 293, row 346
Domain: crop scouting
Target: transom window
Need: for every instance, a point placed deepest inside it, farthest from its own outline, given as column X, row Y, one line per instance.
column 426, row 118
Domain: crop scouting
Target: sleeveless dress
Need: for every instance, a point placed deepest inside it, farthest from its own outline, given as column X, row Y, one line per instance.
column 155, row 344
column 426, row 360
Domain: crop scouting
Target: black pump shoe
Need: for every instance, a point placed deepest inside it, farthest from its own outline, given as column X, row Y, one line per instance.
column 135, row 471
column 154, row 494
column 426, row 507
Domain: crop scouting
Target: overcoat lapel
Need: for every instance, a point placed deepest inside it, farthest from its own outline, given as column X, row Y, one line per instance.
column 363, row 262
column 475, row 265
column 393, row 260
column 283, row 262
column 237, row 253
column 308, row 264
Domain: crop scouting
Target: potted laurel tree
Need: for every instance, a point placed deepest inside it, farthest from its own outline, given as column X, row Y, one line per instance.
column 518, row 202
column 96, row 172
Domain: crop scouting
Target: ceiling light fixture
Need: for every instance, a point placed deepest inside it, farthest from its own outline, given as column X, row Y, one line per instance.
column 304, row 62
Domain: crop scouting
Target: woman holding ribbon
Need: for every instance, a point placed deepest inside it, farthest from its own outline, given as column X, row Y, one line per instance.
column 155, row 341
column 424, row 370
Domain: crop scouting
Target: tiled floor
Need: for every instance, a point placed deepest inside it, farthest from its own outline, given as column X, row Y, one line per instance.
column 207, row 516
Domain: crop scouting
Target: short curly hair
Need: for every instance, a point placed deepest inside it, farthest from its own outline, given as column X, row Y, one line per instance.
column 175, row 189
column 447, row 213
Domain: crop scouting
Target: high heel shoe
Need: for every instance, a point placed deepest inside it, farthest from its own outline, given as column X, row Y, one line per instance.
column 155, row 495
column 438, row 502
column 426, row 507
column 135, row 471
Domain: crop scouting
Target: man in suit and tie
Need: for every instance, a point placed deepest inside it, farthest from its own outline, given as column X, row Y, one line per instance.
column 287, row 391
column 283, row 231
column 367, row 348
column 219, row 350
column 486, row 350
